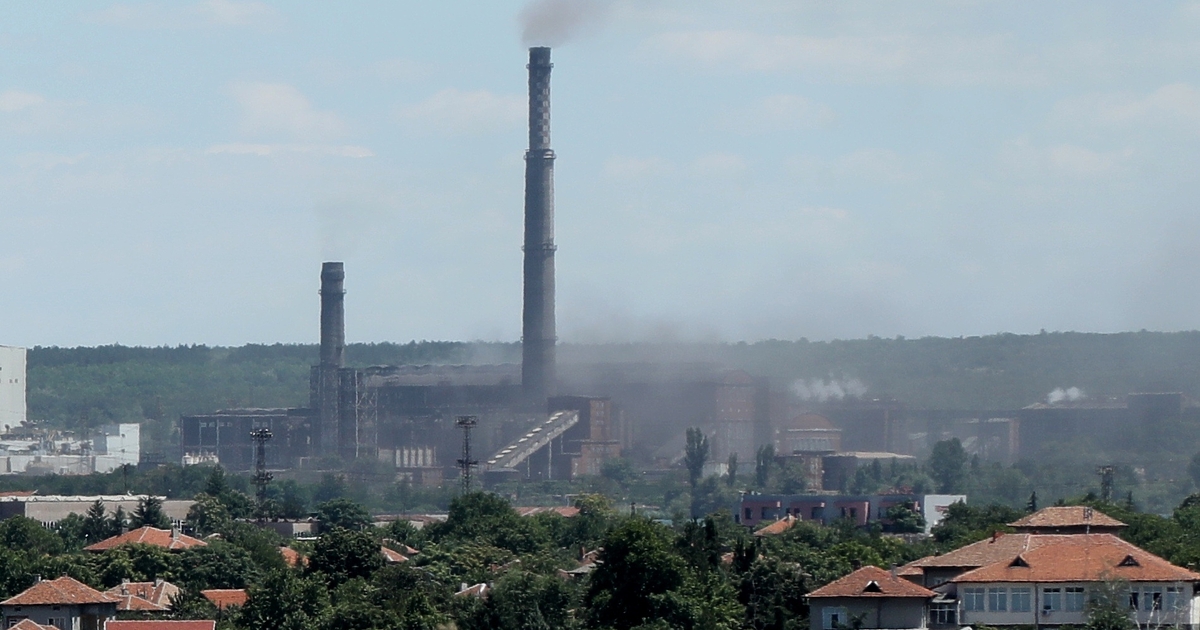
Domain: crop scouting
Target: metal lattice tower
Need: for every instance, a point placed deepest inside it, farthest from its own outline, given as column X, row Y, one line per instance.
column 1107, row 474
column 466, row 423
column 261, row 476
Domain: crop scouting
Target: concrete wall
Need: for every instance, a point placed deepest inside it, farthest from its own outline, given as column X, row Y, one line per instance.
column 875, row 612
column 12, row 386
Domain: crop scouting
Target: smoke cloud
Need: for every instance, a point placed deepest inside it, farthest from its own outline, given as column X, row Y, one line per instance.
column 820, row 390
column 556, row 22
column 1070, row 394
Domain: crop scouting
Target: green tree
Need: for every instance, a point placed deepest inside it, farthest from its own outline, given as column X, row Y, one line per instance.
column 208, row 514
column 764, row 460
column 639, row 568
column 947, row 465
column 119, row 523
column 27, row 535
column 904, row 519
column 70, row 529
column 619, row 470
column 217, row 565
column 695, row 455
column 341, row 554
column 96, row 526
column 285, row 600
column 343, row 513
column 523, row 601
column 731, row 470
column 489, row 519
column 149, row 512
column 1108, row 607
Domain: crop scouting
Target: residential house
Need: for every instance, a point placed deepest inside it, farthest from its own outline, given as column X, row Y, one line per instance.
column 161, row 624
column 754, row 509
column 223, row 598
column 869, row 598
column 169, row 539
column 144, row 596
column 64, row 603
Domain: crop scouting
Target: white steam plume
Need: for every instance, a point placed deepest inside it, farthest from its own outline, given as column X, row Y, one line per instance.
column 1070, row 394
column 556, row 22
column 820, row 390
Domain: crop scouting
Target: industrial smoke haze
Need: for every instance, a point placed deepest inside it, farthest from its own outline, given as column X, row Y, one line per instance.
column 820, row 390
column 1070, row 394
column 556, row 22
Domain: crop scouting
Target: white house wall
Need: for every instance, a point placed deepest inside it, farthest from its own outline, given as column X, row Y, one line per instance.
column 12, row 386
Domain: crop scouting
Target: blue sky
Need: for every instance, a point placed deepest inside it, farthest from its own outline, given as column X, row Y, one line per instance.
column 176, row 172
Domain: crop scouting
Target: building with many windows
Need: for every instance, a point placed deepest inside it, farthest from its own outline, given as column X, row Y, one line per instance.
column 1033, row 579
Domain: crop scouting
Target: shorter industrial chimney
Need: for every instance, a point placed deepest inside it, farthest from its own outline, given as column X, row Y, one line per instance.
column 325, row 379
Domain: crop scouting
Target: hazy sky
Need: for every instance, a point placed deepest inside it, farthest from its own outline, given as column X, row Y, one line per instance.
column 176, row 172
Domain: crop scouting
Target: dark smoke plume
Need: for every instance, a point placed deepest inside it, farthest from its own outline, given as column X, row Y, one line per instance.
column 556, row 22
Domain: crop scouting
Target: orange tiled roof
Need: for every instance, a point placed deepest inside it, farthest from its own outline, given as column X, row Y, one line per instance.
column 160, row 624
column 147, row 535
column 977, row 554
column 19, row 493
column 64, row 590
column 390, row 555
column 29, row 624
column 1067, row 516
column 292, row 557
column 778, row 527
column 872, row 582
column 1081, row 558
column 158, row 593
column 223, row 598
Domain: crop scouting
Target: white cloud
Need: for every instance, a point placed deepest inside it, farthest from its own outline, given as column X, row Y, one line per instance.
column 1028, row 160
column 279, row 108
column 209, row 13
column 718, row 165
column 1176, row 105
column 954, row 60
column 467, row 113
column 15, row 100
column 246, row 148
column 782, row 112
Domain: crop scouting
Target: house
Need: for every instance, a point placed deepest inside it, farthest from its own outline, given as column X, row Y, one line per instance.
column 144, row 596
column 392, row 556
column 169, row 539
column 1051, row 583
column 869, row 598
column 223, row 598
column 778, row 527
column 1044, row 574
column 26, row 624
column 64, row 603
column 161, row 624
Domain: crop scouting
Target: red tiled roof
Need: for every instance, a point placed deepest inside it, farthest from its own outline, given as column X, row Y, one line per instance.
column 390, row 555
column 160, row 624
column 158, row 593
column 18, row 493
column 872, row 582
column 28, row 624
column 64, row 590
column 976, row 554
column 1081, row 558
column 135, row 603
column 292, row 557
column 1067, row 516
column 778, row 527
column 147, row 535
column 223, row 598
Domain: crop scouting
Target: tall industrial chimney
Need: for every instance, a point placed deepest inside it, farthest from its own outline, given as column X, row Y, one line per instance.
column 538, row 335
column 333, row 354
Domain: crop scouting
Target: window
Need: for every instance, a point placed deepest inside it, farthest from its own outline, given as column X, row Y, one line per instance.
column 997, row 599
column 1074, row 598
column 1051, row 599
column 1133, row 599
column 943, row 614
column 1021, row 600
column 832, row 617
column 1174, row 599
column 1152, row 598
column 749, row 513
column 973, row 599
column 763, row 513
column 816, row 513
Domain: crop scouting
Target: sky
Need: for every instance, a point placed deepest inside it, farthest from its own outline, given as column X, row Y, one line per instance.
column 176, row 172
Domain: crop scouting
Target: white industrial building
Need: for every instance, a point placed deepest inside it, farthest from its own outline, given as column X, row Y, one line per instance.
column 12, row 386
column 34, row 451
